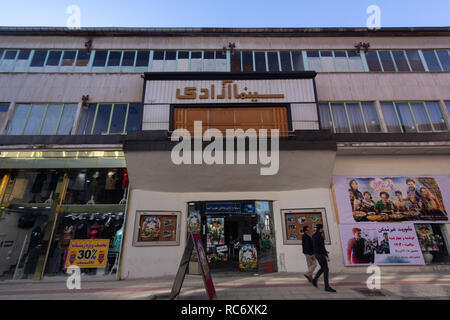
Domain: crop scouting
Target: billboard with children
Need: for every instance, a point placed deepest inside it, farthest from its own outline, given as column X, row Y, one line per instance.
column 392, row 199
column 381, row 244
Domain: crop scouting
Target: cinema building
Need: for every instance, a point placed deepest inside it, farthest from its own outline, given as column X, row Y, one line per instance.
column 87, row 131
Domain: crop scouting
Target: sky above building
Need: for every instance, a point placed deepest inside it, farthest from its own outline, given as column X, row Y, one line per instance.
column 225, row 13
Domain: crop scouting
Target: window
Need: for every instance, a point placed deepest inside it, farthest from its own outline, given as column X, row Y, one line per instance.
column 43, row 119
column 400, row 61
column 414, row 60
column 431, row 60
column 327, row 61
column 170, row 63
column 235, row 61
column 349, row 117
column 221, row 61
column 110, row 118
column 82, row 58
column 444, row 58
column 260, row 62
column 413, row 116
column 272, row 62
column 297, row 60
column 386, row 61
column 247, row 61
column 53, row 58
column 100, row 58
column 285, row 58
column 196, row 61
column 158, row 61
column 355, row 62
column 373, row 62
column 313, row 61
column 69, row 58
column 38, row 58
column 341, row 61
column 208, row 61
column 3, row 112
column 447, row 104
column 128, row 58
column 4, row 107
column 142, row 59
column 114, row 58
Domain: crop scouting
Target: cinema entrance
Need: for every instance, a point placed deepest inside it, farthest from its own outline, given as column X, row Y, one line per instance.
column 238, row 235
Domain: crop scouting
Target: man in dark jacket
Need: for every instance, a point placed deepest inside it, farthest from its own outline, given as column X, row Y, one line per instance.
column 321, row 255
column 308, row 252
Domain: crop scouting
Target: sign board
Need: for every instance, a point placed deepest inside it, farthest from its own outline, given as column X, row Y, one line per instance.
column 194, row 241
column 87, row 253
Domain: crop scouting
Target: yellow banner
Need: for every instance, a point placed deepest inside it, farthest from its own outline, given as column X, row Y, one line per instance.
column 88, row 253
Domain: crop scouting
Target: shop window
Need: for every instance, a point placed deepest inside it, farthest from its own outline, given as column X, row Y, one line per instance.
column 431, row 60
column 235, row 61
column 272, row 62
column 327, row 61
column 400, row 61
column 285, row 58
column 247, row 61
column 221, row 61
column 42, row 119
column 414, row 60
column 109, row 119
column 260, row 62
column 314, row 61
column 444, row 58
column 297, row 60
column 373, row 62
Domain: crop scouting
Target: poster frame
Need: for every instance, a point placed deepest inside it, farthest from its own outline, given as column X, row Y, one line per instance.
column 140, row 213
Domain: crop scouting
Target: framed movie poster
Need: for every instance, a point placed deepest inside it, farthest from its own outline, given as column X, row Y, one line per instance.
column 157, row 228
column 294, row 220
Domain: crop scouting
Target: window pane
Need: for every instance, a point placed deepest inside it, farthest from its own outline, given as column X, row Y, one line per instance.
column 285, row 57
column 272, row 60
column 102, row 120
column 114, row 58
column 436, row 115
column 118, row 118
column 67, row 119
column 260, row 61
column 23, row 54
column 196, row 61
column 158, row 61
column 390, row 117
column 355, row 117
column 444, row 58
column 134, row 117
column 355, row 61
column 51, row 119
column 405, row 116
column 170, row 62
column 208, row 61
column 35, row 119
column 18, row 119
column 325, row 117
column 414, row 60
column 38, row 58
column 371, row 117
column 313, row 60
column 400, row 60
column 142, row 58
column 69, row 58
column 83, row 58
column 4, row 107
column 235, row 61
column 128, row 58
column 327, row 61
column 431, row 60
column 339, row 118
column 340, row 59
column 423, row 123
column 53, row 58
column 1, row 54
column 386, row 61
column 86, row 119
column 297, row 60
column 221, row 61
column 447, row 104
column 247, row 61
column 10, row 55
column 183, row 61
column 372, row 61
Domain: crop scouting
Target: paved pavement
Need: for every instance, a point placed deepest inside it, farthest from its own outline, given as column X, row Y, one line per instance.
column 275, row 286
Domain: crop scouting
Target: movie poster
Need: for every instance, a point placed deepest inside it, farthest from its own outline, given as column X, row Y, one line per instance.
column 157, row 228
column 380, row 244
column 392, row 199
column 248, row 258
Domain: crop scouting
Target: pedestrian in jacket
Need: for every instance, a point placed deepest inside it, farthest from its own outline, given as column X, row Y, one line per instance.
column 321, row 255
column 309, row 253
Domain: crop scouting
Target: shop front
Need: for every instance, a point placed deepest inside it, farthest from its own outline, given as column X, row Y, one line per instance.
column 47, row 206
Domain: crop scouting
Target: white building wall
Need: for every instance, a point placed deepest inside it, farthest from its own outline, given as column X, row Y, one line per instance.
column 156, row 261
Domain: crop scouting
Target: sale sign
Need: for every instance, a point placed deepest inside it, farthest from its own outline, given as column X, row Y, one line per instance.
column 87, row 253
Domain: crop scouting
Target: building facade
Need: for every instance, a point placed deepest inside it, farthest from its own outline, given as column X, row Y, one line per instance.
column 87, row 125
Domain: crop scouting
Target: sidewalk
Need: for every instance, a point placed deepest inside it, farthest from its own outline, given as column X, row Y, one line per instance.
column 395, row 285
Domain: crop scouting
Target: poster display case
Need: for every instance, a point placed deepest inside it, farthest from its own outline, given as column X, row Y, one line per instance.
column 294, row 220
column 156, row 228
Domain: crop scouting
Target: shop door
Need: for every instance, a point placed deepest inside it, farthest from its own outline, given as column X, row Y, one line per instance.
column 232, row 118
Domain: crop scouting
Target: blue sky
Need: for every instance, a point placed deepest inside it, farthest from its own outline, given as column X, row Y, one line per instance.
column 225, row 13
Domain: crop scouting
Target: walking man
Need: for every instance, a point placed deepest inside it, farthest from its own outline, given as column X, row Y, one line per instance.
column 321, row 255
column 308, row 252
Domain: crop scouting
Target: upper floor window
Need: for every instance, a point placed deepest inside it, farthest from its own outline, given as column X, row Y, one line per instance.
column 349, row 117
column 266, row 61
column 413, row 116
column 43, row 119
column 334, row 61
column 394, row 61
column 108, row 118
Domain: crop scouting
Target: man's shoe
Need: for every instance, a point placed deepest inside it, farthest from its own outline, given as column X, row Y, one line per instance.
column 314, row 283
column 330, row 289
column 308, row 277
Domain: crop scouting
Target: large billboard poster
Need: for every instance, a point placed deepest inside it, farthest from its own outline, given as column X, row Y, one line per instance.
column 380, row 244
column 392, row 198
